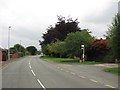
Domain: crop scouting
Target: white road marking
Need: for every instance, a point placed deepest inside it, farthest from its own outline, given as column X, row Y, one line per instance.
column 41, row 84
column 82, row 76
column 30, row 66
column 66, row 71
column 61, row 69
column 33, row 72
column 93, row 80
column 110, row 86
column 29, row 62
column 58, row 67
column 72, row 73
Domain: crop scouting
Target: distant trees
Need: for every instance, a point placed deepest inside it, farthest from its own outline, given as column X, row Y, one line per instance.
column 18, row 49
column 21, row 51
column 32, row 50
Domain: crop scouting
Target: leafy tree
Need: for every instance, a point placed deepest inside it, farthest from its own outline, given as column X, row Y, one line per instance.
column 12, row 50
column 57, row 49
column 19, row 49
column 75, row 40
column 115, row 37
column 98, row 50
column 59, row 32
column 32, row 50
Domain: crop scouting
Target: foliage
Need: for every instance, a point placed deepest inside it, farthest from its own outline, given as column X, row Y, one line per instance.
column 59, row 32
column 70, row 47
column 18, row 49
column 75, row 40
column 61, row 29
column 57, row 48
column 114, row 35
column 12, row 50
column 98, row 50
column 32, row 50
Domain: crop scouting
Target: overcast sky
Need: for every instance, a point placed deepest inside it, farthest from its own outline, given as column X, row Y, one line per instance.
column 30, row 18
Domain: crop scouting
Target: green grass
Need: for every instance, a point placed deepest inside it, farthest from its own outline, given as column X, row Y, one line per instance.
column 113, row 70
column 59, row 59
column 68, row 60
column 90, row 62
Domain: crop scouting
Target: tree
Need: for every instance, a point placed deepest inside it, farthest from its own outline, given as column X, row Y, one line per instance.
column 115, row 37
column 75, row 40
column 57, row 49
column 19, row 49
column 59, row 32
column 12, row 50
column 32, row 50
column 98, row 50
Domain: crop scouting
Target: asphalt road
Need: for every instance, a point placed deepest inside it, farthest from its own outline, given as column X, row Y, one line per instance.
column 32, row 72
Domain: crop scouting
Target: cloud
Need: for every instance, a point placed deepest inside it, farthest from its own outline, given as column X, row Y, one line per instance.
column 102, row 16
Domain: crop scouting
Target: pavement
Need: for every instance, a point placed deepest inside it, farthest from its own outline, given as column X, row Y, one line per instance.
column 33, row 72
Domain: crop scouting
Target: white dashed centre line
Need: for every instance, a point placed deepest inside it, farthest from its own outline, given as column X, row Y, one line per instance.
column 93, row 80
column 66, row 71
column 110, row 86
column 58, row 67
column 72, row 73
column 41, row 84
column 61, row 69
column 33, row 72
column 30, row 66
column 82, row 76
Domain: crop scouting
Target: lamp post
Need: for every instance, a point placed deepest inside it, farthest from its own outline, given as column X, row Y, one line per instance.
column 83, row 54
column 9, row 42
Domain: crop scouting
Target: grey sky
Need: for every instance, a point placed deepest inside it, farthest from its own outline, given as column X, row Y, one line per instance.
column 30, row 18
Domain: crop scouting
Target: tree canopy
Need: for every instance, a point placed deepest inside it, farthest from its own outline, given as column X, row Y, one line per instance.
column 70, row 47
column 115, row 36
column 32, row 50
column 61, row 29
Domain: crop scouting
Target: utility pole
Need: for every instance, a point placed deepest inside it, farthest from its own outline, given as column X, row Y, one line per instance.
column 9, row 42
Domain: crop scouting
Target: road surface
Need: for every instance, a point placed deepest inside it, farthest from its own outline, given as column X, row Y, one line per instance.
column 32, row 72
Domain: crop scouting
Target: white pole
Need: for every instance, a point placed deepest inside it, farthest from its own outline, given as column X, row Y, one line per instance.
column 83, row 54
column 9, row 43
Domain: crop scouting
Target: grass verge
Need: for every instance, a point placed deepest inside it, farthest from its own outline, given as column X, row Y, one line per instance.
column 59, row 59
column 68, row 60
column 90, row 62
column 113, row 70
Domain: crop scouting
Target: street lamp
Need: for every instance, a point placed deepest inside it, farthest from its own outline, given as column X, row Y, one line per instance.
column 9, row 42
column 83, row 54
